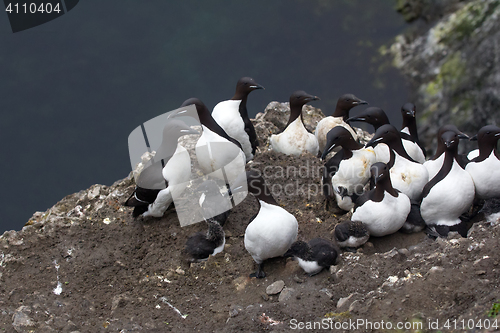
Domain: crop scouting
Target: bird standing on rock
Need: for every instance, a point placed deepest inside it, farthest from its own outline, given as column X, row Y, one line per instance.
column 449, row 194
column 339, row 118
column 295, row 139
column 232, row 116
column 434, row 164
column 272, row 231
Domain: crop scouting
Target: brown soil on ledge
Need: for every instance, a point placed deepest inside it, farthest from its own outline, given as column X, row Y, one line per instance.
column 118, row 274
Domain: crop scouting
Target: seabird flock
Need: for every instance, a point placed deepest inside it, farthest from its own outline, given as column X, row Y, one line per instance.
column 388, row 184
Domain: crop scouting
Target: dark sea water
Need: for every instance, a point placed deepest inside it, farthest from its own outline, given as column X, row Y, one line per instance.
column 72, row 90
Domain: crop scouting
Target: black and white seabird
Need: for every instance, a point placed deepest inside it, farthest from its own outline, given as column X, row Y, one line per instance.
column 314, row 256
column 273, row 230
column 409, row 133
column 434, row 164
column 232, row 116
column 217, row 153
column 166, row 178
column 204, row 244
column 407, row 175
column 449, row 194
column 348, row 171
column 383, row 210
column 339, row 118
column 485, row 168
column 295, row 139
column 351, row 235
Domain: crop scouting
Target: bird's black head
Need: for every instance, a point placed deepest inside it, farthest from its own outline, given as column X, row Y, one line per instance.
column 387, row 134
column 300, row 97
column 337, row 136
column 348, row 101
column 298, row 249
column 373, row 115
column 409, row 110
column 246, row 85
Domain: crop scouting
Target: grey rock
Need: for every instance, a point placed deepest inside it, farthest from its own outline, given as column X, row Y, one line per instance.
column 21, row 319
column 275, row 287
column 285, row 294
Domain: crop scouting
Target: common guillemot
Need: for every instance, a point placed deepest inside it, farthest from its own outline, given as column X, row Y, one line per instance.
column 449, row 194
column 272, row 231
column 232, row 116
column 314, row 256
column 339, row 118
column 434, row 164
column 409, row 133
column 383, row 210
column 295, row 139
column 204, row 244
column 351, row 235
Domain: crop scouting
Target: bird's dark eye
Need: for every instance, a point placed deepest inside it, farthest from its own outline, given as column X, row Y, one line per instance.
column 488, row 132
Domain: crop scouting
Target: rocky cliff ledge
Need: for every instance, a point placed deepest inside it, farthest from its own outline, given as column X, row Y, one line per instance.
column 452, row 61
column 85, row 265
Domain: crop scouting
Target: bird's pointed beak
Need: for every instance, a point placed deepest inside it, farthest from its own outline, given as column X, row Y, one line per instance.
column 327, row 151
column 257, row 86
column 463, row 136
column 361, row 102
column 374, row 141
column 355, row 119
column 473, row 138
column 312, row 98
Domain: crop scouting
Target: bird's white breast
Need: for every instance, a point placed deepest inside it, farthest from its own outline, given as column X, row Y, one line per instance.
column 408, row 177
column 384, row 217
column 310, row 267
column 295, row 140
column 325, row 125
column 449, row 198
column 414, row 151
column 433, row 166
column 354, row 171
column 214, row 152
column 227, row 115
column 486, row 176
